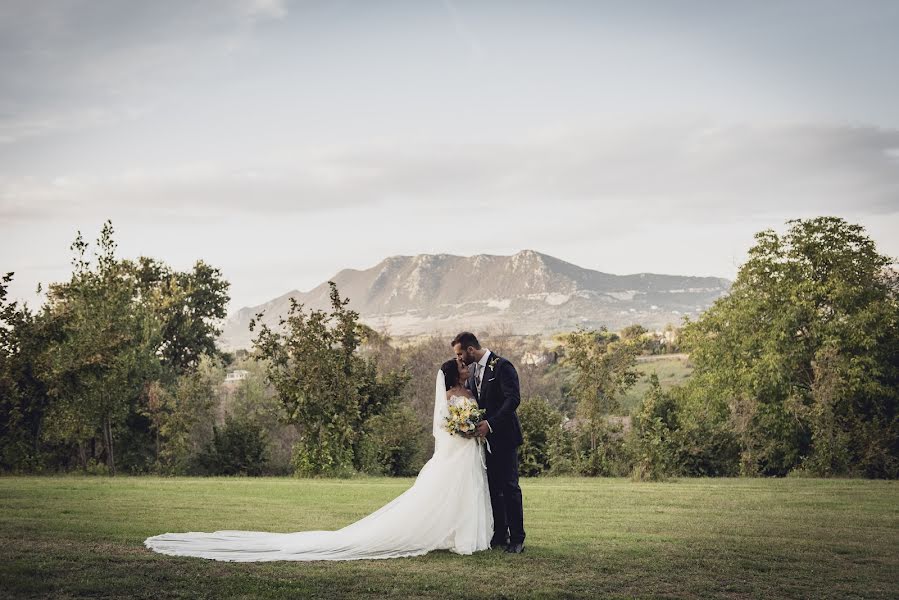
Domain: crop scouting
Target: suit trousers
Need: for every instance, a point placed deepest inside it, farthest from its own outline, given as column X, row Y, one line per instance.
column 505, row 494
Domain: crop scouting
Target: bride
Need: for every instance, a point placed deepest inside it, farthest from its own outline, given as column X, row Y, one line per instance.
column 447, row 508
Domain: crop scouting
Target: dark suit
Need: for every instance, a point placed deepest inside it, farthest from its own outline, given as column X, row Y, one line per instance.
column 500, row 396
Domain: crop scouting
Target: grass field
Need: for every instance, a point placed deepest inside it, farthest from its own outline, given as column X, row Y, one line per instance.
column 67, row 537
column 672, row 369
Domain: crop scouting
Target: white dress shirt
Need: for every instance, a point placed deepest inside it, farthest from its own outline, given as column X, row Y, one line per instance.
column 479, row 369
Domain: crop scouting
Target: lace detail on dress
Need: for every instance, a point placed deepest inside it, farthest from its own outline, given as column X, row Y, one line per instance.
column 454, row 399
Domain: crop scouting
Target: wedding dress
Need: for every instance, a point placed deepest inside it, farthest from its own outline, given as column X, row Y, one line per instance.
column 447, row 508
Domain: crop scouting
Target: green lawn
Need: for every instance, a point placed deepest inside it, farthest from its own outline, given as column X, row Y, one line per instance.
column 66, row 537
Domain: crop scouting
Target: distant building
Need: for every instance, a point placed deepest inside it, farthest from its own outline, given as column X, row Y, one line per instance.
column 532, row 358
column 236, row 375
column 671, row 336
column 537, row 359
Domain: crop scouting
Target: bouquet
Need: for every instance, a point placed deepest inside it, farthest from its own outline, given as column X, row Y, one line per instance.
column 464, row 415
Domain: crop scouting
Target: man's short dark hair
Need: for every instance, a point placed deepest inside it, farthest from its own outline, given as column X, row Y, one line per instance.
column 466, row 338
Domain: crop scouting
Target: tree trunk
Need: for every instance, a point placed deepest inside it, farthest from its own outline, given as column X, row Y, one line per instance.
column 82, row 455
column 37, row 439
column 110, row 456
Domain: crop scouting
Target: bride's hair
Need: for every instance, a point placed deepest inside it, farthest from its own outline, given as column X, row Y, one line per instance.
column 450, row 372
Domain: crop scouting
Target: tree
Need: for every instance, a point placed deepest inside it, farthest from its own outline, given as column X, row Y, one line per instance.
column 679, row 432
column 805, row 350
column 540, row 423
column 382, row 419
column 237, row 448
column 392, row 444
column 24, row 400
column 422, row 361
column 604, row 368
column 75, row 375
column 96, row 371
column 254, row 400
column 188, row 305
column 655, row 434
column 638, row 335
column 325, row 386
column 182, row 418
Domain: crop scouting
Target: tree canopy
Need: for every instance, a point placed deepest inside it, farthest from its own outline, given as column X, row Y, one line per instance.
column 805, row 350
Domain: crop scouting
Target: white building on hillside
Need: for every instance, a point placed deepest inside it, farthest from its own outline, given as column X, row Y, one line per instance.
column 236, row 375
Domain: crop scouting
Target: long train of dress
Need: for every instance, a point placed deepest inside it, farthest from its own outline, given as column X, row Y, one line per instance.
column 447, row 508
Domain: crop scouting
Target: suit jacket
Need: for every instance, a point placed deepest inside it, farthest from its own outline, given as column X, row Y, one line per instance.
column 500, row 396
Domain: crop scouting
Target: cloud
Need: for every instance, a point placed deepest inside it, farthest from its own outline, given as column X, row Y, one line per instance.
column 71, row 66
column 17, row 129
column 265, row 9
column 689, row 172
column 462, row 29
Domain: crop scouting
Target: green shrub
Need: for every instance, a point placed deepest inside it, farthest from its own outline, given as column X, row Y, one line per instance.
column 393, row 443
column 540, row 422
column 238, row 448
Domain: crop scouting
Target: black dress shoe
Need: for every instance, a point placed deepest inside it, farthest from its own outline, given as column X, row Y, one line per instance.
column 515, row 548
column 497, row 544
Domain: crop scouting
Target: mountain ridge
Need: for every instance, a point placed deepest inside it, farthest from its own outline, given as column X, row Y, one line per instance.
column 529, row 291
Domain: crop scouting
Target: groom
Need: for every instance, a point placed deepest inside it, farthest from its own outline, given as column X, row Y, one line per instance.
column 494, row 382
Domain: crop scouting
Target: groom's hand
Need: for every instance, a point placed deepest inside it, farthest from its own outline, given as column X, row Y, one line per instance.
column 482, row 429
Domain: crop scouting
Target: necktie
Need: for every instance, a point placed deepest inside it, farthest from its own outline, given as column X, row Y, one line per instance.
column 477, row 376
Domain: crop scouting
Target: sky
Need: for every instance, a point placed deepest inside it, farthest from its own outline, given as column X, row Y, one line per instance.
column 284, row 141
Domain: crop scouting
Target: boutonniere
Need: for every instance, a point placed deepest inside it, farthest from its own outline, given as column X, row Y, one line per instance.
column 492, row 363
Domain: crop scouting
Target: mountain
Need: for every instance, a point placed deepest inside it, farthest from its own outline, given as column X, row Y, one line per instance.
column 530, row 292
